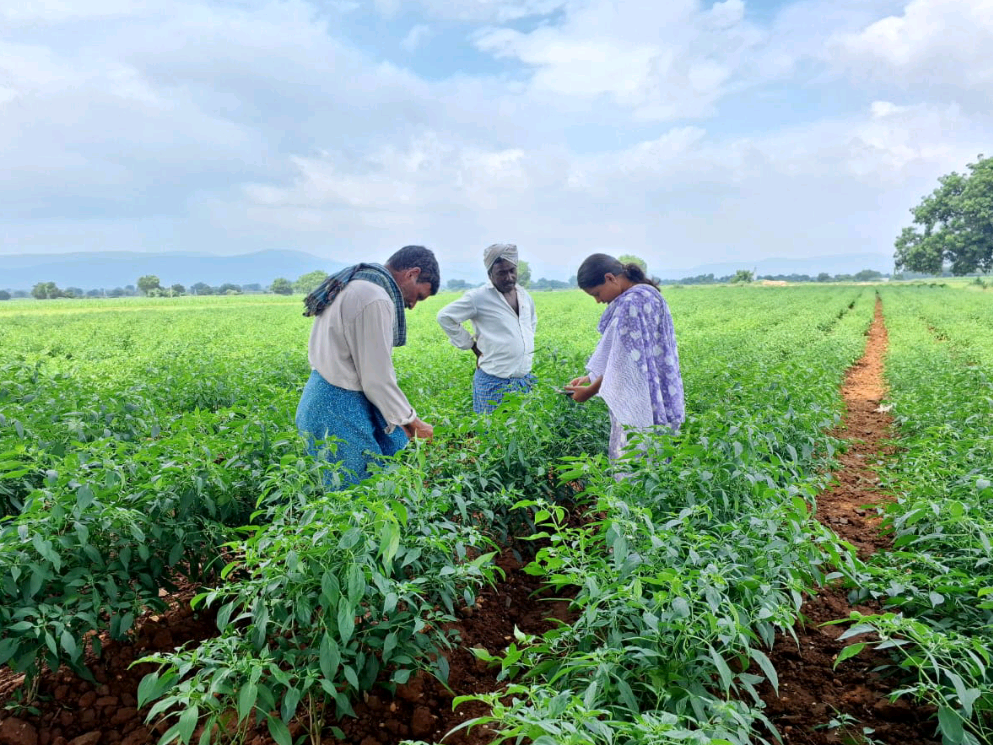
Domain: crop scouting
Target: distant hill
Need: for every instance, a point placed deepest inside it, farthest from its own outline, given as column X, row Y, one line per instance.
column 119, row 269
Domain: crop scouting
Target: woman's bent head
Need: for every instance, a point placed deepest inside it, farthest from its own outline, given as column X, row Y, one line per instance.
column 603, row 277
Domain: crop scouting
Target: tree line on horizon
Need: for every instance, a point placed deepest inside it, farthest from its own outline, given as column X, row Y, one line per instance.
column 149, row 285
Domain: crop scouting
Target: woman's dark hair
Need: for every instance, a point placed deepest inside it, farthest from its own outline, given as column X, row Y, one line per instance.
column 592, row 270
column 422, row 258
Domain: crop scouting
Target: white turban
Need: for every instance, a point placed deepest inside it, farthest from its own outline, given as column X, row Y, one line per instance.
column 505, row 251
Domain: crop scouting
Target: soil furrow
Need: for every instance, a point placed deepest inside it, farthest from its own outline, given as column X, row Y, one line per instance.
column 818, row 705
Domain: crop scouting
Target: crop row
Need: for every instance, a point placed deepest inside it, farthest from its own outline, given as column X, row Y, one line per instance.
column 138, row 443
column 694, row 565
column 698, row 558
column 937, row 582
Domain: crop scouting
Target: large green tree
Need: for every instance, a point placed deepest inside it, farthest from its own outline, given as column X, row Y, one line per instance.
column 148, row 283
column 953, row 226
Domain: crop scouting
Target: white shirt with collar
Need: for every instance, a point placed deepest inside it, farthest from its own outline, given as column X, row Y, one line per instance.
column 505, row 338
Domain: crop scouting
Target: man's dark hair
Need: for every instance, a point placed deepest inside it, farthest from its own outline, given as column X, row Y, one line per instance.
column 420, row 257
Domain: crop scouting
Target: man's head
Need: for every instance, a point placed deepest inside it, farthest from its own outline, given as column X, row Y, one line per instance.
column 503, row 275
column 500, row 261
column 416, row 272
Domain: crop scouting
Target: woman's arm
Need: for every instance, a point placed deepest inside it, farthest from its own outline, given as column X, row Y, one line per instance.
column 582, row 389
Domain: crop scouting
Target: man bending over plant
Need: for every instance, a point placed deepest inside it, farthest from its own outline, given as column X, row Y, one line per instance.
column 352, row 394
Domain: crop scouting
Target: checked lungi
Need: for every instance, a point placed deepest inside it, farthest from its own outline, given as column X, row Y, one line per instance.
column 488, row 390
column 326, row 411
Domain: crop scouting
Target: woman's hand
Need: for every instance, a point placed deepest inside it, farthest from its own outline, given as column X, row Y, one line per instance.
column 581, row 389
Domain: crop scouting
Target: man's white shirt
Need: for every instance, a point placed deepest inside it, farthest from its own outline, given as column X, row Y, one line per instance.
column 505, row 338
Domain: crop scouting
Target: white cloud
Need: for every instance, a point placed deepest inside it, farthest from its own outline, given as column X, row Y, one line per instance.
column 673, row 60
column 938, row 45
column 430, row 171
column 79, row 130
column 674, row 199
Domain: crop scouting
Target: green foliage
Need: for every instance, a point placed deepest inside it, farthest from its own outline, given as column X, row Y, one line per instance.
column 953, row 225
column 743, row 276
column 523, row 274
column 676, row 591
column 335, row 595
column 867, row 275
column 47, row 291
column 281, row 286
column 310, row 281
column 148, row 284
column 138, row 448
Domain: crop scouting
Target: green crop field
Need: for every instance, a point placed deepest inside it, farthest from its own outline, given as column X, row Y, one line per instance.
column 150, row 443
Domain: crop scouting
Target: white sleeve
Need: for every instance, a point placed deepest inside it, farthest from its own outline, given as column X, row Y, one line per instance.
column 451, row 318
column 370, row 340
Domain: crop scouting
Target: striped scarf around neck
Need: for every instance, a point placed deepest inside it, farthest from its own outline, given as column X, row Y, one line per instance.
column 330, row 288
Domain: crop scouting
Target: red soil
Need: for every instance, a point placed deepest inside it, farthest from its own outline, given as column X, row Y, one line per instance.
column 811, row 692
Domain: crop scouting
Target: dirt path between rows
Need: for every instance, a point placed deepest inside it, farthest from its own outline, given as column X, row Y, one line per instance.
column 818, row 705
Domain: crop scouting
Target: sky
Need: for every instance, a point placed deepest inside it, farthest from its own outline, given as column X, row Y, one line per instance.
column 683, row 132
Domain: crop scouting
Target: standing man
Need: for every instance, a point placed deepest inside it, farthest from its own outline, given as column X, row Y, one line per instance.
column 503, row 318
column 352, row 394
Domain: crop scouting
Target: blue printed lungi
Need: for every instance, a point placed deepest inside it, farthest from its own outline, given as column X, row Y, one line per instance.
column 488, row 390
column 325, row 411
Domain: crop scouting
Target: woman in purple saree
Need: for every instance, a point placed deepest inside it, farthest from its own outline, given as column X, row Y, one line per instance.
column 635, row 367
